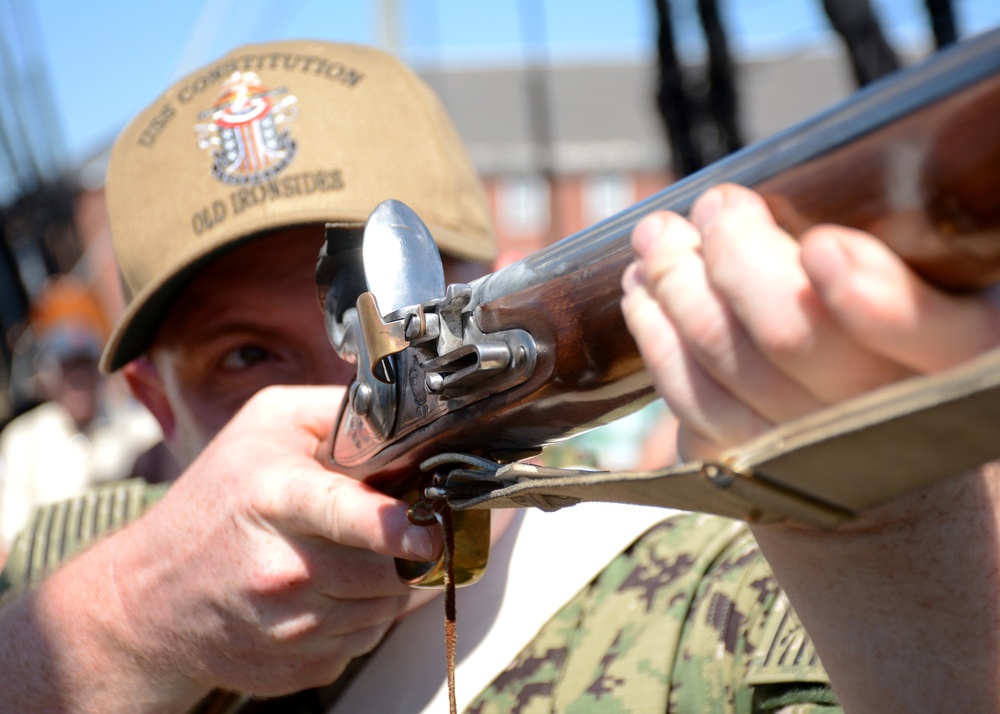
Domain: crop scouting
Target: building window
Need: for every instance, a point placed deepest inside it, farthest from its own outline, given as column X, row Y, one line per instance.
column 605, row 195
column 523, row 205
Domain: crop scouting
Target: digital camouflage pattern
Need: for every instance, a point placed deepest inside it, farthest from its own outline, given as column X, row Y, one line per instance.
column 688, row 619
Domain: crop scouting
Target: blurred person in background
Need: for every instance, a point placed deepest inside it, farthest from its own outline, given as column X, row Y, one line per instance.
column 83, row 432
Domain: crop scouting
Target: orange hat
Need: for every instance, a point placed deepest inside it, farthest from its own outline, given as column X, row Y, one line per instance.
column 65, row 301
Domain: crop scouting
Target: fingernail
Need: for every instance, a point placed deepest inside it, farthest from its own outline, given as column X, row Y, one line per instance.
column 417, row 542
column 647, row 233
column 826, row 260
column 631, row 278
column 707, row 208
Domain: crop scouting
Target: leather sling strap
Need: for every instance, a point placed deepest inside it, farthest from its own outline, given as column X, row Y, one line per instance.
column 821, row 470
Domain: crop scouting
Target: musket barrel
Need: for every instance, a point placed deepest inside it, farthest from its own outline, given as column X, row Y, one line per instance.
column 913, row 158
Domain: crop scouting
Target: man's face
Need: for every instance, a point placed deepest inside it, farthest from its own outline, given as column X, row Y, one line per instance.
column 73, row 381
column 247, row 321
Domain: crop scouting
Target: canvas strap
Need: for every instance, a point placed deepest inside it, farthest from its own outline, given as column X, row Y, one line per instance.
column 821, row 470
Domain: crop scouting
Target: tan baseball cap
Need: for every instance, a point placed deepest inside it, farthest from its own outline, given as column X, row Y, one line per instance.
column 272, row 136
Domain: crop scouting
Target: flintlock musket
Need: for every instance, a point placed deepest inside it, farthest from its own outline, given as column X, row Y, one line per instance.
column 538, row 351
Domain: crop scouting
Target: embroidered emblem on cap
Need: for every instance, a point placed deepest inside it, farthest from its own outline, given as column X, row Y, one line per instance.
column 248, row 131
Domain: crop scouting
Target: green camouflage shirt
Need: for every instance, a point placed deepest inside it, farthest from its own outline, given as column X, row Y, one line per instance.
column 688, row 619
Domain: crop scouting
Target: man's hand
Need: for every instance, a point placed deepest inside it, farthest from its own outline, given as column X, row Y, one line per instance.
column 259, row 571
column 744, row 328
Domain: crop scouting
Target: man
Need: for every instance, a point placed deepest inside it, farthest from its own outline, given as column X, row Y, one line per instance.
column 79, row 434
column 258, row 571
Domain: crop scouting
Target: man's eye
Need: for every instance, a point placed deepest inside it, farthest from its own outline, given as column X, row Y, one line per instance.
column 244, row 357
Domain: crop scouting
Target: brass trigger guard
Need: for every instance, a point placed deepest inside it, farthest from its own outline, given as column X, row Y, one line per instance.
column 472, row 551
column 471, row 535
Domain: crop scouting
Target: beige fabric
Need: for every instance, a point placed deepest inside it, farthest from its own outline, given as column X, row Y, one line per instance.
column 45, row 459
column 271, row 136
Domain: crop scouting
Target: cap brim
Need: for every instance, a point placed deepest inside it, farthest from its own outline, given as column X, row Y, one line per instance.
column 140, row 322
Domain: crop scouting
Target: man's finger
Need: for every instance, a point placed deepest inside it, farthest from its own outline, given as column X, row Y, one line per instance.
column 884, row 305
column 693, row 396
column 755, row 266
column 722, row 347
column 317, row 502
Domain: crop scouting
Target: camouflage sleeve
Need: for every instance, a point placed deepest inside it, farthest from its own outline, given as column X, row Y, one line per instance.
column 58, row 531
column 688, row 619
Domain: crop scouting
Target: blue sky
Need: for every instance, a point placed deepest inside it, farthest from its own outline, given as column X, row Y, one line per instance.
column 106, row 59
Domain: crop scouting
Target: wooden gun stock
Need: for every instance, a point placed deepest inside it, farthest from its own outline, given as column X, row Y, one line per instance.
column 913, row 159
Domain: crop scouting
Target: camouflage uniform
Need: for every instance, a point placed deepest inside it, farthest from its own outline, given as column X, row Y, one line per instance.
column 687, row 619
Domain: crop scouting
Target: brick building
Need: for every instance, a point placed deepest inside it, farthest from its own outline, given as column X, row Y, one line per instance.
column 562, row 147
